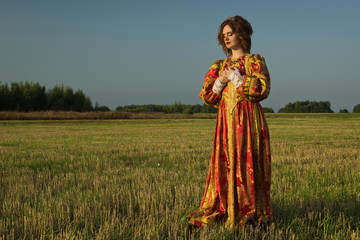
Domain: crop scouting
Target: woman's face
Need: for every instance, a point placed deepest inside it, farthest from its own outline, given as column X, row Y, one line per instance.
column 230, row 39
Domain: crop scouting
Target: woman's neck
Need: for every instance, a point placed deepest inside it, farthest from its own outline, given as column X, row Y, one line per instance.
column 237, row 53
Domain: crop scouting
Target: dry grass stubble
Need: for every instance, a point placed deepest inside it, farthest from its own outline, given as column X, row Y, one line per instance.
column 138, row 179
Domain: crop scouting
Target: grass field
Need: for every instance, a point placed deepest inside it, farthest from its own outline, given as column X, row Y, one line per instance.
column 138, row 179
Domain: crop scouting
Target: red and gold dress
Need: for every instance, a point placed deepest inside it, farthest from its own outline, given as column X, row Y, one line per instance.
column 238, row 182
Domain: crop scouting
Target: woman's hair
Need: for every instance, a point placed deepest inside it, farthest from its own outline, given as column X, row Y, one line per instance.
column 241, row 28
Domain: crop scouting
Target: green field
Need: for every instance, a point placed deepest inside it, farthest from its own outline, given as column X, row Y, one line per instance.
column 138, row 179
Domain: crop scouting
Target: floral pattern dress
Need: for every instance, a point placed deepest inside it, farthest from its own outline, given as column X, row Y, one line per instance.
column 238, row 182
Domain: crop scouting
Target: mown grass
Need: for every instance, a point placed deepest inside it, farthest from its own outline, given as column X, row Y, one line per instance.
column 138, row 179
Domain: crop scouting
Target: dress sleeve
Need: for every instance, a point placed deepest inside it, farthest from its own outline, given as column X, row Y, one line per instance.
column 207, row 94
column 256, row 85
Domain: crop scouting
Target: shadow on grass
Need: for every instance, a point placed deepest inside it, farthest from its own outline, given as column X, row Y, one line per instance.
column 313, row 218
column 335, row 214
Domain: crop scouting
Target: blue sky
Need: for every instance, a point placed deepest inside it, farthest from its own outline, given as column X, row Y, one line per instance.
column 157, row 52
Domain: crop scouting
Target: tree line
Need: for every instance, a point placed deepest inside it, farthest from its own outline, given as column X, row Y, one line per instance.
column 307, row 107
column 30, row 96
column 177, row 107
column 313, row 107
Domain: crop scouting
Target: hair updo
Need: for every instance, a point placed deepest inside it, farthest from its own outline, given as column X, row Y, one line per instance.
column 241, row 28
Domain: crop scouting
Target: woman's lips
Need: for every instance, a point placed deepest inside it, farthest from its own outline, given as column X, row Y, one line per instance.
column 227, row 43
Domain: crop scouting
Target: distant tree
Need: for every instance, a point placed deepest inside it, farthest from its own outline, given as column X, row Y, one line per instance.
column 307, row 107
column 119, row 108
column 34, row 96
column 56, row 98
column 268, row 110
column 177, row 107
column 81, row 102
column 196, row 108
column 79, row 99
column 30, row 96
column 154, row 108
column 208, row 109
column 343, row 111
column 101, row 108
column 356, row 109
column 17, row 99
column 69, row 99
column 188, row 110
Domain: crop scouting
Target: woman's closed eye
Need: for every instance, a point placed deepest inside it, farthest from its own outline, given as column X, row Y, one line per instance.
column 229, row 34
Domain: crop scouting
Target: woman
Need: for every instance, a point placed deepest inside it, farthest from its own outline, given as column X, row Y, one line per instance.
column 238, row 183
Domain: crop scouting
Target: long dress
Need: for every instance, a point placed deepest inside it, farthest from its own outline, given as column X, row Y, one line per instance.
column 238, row 182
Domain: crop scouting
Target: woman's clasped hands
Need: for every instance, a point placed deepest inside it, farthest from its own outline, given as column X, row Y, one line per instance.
column 224, row 76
